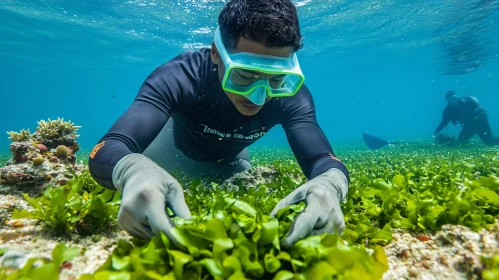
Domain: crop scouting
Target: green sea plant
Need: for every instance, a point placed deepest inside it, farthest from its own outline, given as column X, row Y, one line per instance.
column 234, row 241
column 419, row 190
column 419, row 205
column 491, row 267
column 371, row 211
column 39, row 268
column 23, row 135
column 80, row 205
column 231, row 235
column 413, row 191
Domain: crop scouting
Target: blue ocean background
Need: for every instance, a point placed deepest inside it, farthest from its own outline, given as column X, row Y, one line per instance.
column 380, row 67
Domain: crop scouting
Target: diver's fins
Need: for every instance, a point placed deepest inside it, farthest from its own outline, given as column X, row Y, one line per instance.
column 374, row 142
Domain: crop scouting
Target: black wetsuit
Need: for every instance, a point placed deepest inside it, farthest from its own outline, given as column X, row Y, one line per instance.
column 207, row 126
column 473, row 118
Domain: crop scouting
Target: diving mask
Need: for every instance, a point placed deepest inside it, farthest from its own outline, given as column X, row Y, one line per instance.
column 257, row 76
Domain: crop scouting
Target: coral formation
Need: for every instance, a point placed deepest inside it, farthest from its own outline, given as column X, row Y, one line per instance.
column 23, row 135
column 21, row 175
column 42, row 148
column 49, row 135
column 38, row 161
column 21, row 152
column 54, row 140
column 56, row 128
column 62, row 151
column 53, row 133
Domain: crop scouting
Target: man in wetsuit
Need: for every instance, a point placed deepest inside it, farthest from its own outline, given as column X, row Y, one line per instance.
column 199, row 112
column 473, row 118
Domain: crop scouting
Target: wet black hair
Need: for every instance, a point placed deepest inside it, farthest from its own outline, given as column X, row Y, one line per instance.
column 273, row 23
column 450, row 93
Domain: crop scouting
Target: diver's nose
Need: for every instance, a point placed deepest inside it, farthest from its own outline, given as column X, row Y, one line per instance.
column 257, row 96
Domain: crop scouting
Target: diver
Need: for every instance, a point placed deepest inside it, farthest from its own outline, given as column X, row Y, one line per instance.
column 198, row 113
column 466, row 110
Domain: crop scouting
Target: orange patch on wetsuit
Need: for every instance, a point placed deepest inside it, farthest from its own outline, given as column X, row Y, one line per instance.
column 335, row 158
column 96, row 149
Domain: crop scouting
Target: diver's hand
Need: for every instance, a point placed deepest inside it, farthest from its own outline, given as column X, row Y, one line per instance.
column 322, row 214
column 147, row 190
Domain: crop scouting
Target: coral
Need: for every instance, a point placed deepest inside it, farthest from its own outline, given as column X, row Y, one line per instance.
column 19, row 147
column 70, row 152
column 47, row 156
column 23, row 135
column 20, row 151
column 53, row 133
column 63, row 131
column 38, row 161
column 35, row 177
column 74, row 147
column 42, row 148
column 20, row 158
column 21, row 175
column 54, row 159
column 62, row 151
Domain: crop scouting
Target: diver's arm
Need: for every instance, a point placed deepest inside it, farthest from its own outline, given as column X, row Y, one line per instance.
column 118, row 162
column 328, row 177
column 440, row 127
column 157, row 99
column 131, row 133
column 306, row 139
column 445, row 121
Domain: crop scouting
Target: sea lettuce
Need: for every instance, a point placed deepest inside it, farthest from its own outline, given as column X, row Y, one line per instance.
column 81, row 205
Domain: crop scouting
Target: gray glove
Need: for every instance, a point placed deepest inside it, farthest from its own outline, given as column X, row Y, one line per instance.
column 322, row 214
column 147, row 190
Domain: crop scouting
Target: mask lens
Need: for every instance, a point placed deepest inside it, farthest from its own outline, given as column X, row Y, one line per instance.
column 245, row 78
column 277, row 82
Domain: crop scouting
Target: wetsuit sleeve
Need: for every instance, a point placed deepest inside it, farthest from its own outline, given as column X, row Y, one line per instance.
column 306, row 138
column 159, row 96
column 445, row 121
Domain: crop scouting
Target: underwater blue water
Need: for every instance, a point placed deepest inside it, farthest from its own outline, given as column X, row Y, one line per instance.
column 373, row 66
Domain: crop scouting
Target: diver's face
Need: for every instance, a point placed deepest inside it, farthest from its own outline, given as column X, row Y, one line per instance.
column 453, row 99
column 244, row 105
